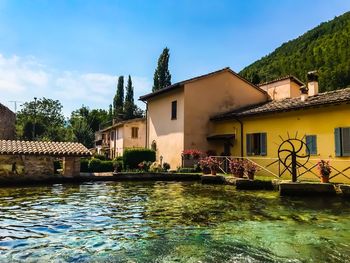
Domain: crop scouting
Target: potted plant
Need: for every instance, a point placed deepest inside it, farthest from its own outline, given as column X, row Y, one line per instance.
column 208, row 163
column 325, row 170
column 251, row 168
column 190, row 157
column 237, row 167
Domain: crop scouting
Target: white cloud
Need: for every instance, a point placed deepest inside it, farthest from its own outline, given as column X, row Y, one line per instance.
column 22, row 78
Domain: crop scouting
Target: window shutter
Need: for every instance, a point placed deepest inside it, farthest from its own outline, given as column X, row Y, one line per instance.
column 249, row 144
column 314, row 145
column 346, row 141
column 263, row 144
column 337, row 137
column 308, row 143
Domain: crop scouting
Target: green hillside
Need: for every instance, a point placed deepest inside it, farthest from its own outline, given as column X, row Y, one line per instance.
column 325, row 48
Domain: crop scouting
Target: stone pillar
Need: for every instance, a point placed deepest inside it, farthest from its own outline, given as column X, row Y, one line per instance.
column 71, row 166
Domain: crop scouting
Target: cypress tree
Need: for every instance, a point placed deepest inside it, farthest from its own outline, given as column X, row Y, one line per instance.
column 162, row 77
column 129, row 106
column 118, row 102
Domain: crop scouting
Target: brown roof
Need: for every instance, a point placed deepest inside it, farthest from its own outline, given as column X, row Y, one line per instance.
column 289, row 104
column 291, row 77
column 121, row 123
column 43, row 148
column 181, row 83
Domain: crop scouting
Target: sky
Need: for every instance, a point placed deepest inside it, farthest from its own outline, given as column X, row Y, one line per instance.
column 74, row 50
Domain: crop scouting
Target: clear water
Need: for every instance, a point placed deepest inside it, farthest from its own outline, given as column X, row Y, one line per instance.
column 169, row 222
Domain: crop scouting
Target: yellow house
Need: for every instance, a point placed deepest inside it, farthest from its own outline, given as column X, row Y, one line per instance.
column 178, row 116
column 321, row 120
column 121, row 135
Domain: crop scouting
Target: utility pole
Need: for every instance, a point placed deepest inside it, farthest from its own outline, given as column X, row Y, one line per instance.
column 15, row 103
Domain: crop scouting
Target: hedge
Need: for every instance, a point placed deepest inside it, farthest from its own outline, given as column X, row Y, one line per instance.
column 133, row 156
column 84, row 165
column 96, row 166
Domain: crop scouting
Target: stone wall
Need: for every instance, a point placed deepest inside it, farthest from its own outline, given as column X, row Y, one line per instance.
column 7, row 123
column 20, row 167
column 71, row 166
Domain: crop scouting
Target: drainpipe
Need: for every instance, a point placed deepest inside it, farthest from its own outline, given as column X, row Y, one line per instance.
column 241, row 124
column 146, row 116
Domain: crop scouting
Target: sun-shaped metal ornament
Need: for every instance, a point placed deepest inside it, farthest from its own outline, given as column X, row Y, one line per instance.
column 293, row 154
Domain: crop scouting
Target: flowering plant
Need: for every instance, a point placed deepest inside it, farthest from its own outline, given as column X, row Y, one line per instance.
column 251, row 169
column 237, row 167
column 191, row 154
column 144, row 166
column 209, row 163
column 324, row 167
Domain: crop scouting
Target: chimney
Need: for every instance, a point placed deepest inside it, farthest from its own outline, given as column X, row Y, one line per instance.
column 304, row 93
column 312, row 82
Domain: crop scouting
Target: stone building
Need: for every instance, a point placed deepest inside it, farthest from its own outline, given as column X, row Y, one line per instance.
column 7, row 123
column 33, row 160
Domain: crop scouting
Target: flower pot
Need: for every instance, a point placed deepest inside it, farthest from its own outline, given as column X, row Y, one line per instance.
column 325, row 178
column 251, row 175
column 213, row 172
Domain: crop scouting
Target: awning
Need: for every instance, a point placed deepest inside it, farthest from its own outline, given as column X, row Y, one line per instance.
column 220, row 137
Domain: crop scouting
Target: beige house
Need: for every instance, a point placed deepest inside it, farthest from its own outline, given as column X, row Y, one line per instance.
column 178, row 116
column 112, row 140
column 7, row 123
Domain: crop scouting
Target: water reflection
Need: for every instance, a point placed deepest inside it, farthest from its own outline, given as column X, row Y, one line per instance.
column 169, row 222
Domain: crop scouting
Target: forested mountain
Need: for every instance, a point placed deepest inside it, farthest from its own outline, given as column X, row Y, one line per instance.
column 325, row 48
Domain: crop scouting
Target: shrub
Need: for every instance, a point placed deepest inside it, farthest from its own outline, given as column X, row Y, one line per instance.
column 118, row 165
column 166, row 167
column 186, row 170
column 144, row 166
column 155, row 168
column 209, row 163
column 132, row 157
column 98, row 166
column 101, row 157
column 237, row 167
column 191, row 154
column 84, row 165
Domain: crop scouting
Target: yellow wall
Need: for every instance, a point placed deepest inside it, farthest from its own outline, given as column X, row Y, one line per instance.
column 319, row 121
column 167, row 133
column 209, row 96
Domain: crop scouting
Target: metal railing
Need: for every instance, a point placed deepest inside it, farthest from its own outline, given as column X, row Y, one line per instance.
column 273, row 167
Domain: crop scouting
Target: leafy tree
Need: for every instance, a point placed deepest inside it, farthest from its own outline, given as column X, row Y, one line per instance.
column 162, row 77
column 118, row 102
column 39, row 118
column 83, row 132
column 129, row 106
column 325, row 48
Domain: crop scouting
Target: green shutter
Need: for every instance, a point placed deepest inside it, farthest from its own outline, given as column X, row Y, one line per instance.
column 337, row 137
column 314, row 145
column 249, row 144
column 263, row 144
column 345, row 141
column 308, row 143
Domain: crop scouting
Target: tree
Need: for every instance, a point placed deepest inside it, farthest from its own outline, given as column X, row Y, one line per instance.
column 118, row 102
column 129, row 106
column 83, row 132
column 38, row 119
column 162, row 77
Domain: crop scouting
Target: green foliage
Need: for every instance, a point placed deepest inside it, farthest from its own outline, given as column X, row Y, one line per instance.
column 325, row 48
column 166, row 167
column 131, row 110
column 133, row 156
column 84, row 165
column 98, row 166
column 155, row 168
column 162, row 77
column 101, row 157
column 118, row 102
column 83, row 132
column 41, row 119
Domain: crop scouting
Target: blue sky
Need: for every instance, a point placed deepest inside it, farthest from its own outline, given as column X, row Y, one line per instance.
column 74, row 50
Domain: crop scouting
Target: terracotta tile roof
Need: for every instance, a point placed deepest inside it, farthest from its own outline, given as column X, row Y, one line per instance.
column 181, row 83
column 291, row 77
column 321, row 99
column 43, row 148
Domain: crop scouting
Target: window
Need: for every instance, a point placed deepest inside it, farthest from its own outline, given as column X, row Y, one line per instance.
column 174, row 110
column 311, row 142
column 342, row 141
column 256, row 144
column 134, row 132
